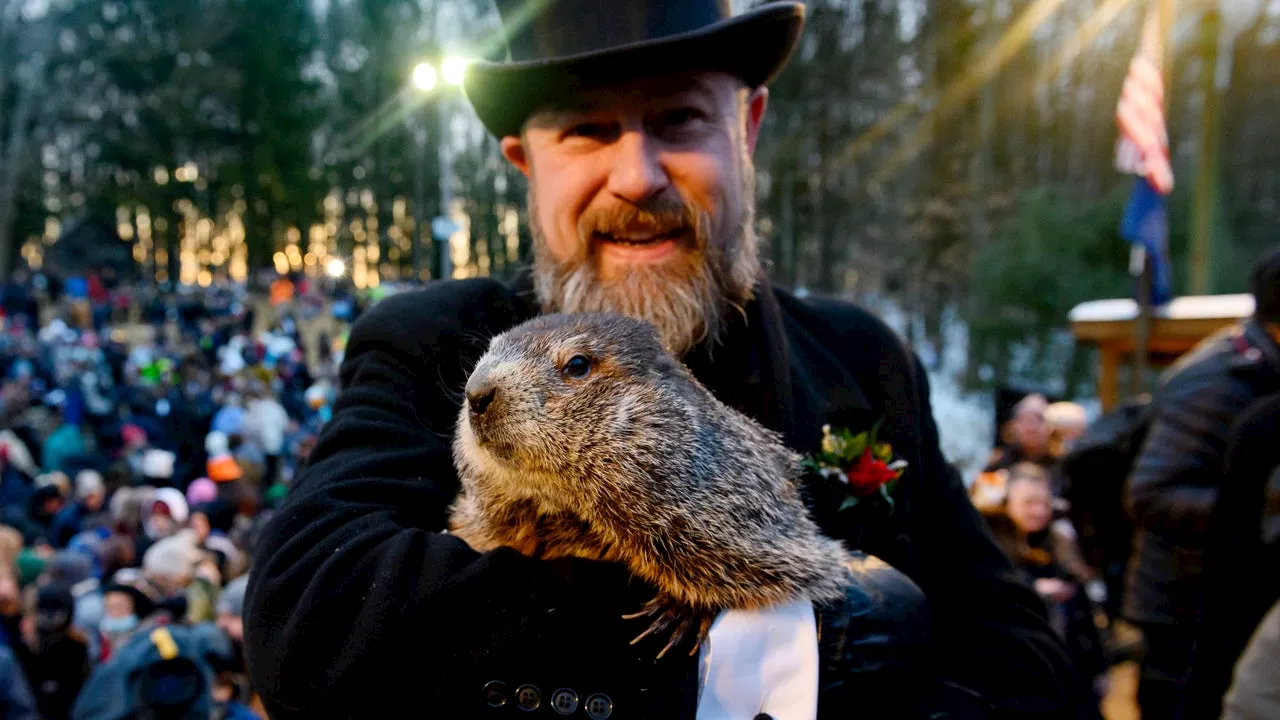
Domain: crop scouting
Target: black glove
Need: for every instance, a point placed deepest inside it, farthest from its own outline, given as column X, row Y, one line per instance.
column 873, row 647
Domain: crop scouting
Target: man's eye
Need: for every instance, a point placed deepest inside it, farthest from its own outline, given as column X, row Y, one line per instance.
column 680, row 118
column 594, row 131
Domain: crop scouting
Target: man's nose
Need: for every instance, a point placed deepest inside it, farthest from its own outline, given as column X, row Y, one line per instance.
column 637, row 171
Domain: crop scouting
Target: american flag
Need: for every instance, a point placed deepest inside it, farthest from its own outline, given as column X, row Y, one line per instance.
column 1143, row 146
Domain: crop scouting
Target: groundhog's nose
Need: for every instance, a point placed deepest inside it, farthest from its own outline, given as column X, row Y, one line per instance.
column 481, row 398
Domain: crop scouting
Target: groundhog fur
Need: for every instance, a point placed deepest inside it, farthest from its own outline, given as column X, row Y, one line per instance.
column 581, row 436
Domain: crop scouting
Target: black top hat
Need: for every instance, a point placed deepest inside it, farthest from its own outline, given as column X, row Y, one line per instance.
column 555, row 47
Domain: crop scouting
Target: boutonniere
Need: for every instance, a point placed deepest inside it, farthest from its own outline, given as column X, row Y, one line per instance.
column 861, row 464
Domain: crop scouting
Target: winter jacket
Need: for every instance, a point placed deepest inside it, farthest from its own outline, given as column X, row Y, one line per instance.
column 1242, row 558
column 1175, row 481
column 118, row 688
column 16, row 700
column 65, row 442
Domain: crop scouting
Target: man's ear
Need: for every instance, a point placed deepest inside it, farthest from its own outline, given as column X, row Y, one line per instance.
column 513, row 150
column 757, row 101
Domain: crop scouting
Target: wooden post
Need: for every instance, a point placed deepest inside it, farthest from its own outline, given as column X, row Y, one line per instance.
column 1108, row 389
column 1140, row 266
column 1139, row 262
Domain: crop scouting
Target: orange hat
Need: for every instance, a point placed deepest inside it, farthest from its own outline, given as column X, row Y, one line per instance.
column 223, row 468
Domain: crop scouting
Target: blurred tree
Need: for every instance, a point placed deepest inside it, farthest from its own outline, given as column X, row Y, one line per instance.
column 1054, row 253
column 276, row 112
column 904, row 158
column 26, row 43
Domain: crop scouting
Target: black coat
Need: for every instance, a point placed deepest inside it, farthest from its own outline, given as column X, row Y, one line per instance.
column 359, row 607
column 1242, row 557
column 1175, row 481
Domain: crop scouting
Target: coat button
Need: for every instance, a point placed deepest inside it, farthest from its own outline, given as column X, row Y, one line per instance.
column 564, row 701
column 599, row 707
column 528, row 698
column 495, row 693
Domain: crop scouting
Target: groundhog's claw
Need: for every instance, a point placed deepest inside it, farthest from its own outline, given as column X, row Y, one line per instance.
column 680, row 619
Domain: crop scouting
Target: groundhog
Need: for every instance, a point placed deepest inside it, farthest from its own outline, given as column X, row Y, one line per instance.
column 581, row 436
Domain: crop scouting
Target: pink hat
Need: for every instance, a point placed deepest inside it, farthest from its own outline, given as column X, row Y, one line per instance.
column 201, row 490
column 132, row 434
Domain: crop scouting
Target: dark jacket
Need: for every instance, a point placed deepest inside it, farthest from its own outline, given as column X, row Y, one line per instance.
column 359, row 607
column 1242, row 557
column 56, row 673
column 16, row 700
column 1175, row 481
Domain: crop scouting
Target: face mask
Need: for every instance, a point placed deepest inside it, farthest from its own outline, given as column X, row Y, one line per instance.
column 157, row 528
column 114, row 625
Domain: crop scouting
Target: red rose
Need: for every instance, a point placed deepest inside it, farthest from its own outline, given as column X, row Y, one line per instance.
column 868, row 474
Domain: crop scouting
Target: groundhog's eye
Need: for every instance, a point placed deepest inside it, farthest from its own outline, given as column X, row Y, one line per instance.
column 577, row 368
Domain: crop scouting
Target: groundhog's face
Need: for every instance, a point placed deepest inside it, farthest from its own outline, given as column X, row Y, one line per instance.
column 559, row 394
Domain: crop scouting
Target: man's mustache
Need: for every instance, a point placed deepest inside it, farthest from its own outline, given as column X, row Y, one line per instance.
column 661, row 216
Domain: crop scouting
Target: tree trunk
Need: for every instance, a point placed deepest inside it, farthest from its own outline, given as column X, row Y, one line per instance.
column 13, row 163
column 1205, row 192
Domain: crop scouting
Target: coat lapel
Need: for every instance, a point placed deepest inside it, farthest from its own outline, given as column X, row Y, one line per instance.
column 817, row 388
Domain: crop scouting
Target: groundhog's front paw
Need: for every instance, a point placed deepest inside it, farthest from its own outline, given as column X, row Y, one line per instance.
column 681, row 621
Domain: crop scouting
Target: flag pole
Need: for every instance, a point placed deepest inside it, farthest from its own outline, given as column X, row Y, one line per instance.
column 1139, row 261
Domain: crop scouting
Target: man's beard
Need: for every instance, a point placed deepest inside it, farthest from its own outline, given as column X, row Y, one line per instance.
column 686, row 298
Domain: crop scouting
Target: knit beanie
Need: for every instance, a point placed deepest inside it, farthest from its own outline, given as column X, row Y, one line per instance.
column 88, row 482
column 29, row 566
column 201, row 490
column 231, row 600
column 172, row 557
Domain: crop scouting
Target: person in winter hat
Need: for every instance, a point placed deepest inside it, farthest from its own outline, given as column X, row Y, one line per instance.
column 59, row 664
column 158, row 466
column 165, row 512
column 90, row 494
column 125, row 607
column 201, row 490
column 184, row 574
column 230, row 417
column 74, row 571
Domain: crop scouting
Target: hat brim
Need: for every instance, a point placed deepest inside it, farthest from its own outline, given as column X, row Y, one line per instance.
column 753, row 46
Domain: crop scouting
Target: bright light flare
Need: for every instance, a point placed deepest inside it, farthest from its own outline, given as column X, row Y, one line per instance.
column 424, row 77
column 335, row 268
column 453, row 69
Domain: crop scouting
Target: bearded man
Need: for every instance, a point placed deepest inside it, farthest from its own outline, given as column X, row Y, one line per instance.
column 634, row 123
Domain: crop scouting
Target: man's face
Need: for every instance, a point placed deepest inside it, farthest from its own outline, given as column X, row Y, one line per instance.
column 641, row 201
column 117, row 605
column 232, row 625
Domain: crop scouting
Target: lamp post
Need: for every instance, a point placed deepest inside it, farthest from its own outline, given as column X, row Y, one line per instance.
column 425, row 79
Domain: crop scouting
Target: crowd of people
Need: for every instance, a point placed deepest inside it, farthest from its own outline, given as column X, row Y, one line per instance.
column 1149, row 533
column 144, row 439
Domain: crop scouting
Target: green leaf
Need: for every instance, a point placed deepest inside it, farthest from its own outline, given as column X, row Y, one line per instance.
column 849, row 502
column 856, row 447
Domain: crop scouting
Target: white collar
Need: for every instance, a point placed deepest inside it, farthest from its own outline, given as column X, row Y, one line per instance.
column 763, row 661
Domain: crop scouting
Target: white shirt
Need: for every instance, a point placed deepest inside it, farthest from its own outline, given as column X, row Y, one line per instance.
column 756, row 662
